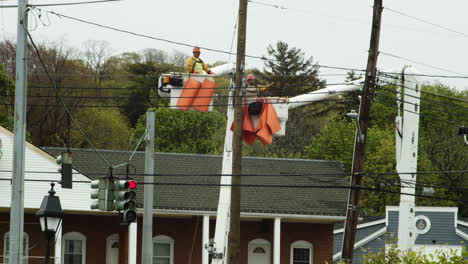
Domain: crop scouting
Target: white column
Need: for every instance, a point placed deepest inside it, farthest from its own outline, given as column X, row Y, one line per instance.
column 205, row 238
column 58, row 245
column 277, row 241
column 132, row 243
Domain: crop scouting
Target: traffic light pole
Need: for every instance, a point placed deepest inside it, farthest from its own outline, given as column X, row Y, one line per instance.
column 17, row 192
column 352, row 212
column 147, row 247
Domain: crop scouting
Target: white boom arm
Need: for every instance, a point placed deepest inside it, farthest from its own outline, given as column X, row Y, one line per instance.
column 406, row 139
column 324, row 94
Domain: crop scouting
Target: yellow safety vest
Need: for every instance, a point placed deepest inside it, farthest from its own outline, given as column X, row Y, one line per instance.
column 198, row 66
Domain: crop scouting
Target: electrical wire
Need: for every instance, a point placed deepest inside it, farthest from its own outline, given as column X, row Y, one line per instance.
column 257, row 175
column 423, row 99
column 273, row 186
column 63, row 102
column 409, row 111
column 182, row 43
column 426, row 21
column 421, row 63
column 434, row 94
column 429, row 108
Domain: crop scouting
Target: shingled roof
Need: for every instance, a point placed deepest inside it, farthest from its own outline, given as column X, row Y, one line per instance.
column 280, row 200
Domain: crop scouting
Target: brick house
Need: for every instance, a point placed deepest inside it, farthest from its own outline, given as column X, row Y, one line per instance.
column 298, row 221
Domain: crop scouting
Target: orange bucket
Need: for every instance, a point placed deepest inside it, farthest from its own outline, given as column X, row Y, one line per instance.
column 188, row 94
column 204, row 96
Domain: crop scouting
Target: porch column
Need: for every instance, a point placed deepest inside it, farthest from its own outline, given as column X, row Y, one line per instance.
column 58, row 245
column 132, row 242
column 205, row 238
column 277, row 241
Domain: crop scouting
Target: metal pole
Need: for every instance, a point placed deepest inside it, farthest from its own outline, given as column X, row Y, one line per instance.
column 147, row 248
column 47, row 247
column 234, row 235
column 17, row 193
column 352, row 212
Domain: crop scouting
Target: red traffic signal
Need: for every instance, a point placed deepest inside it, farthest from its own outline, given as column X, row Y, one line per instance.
column 132, row 184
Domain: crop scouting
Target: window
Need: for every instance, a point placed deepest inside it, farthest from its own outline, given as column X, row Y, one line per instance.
column 301, row 252
column 163, row 250
column 6, row 247
column 74, row 248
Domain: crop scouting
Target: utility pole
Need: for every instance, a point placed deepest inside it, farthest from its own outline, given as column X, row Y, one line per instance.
column 234, row 235
column 147, row 248
column 17, row 192
column 352, row 212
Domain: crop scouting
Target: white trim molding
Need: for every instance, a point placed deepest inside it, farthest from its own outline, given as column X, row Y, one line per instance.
column 377, row 222
column 461, row 234
column 74, row 236
column 363, row 241
column 6, row 242
column 302, row 244
column 166, row 240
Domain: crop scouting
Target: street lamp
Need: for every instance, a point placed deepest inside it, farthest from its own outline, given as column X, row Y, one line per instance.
column 50, row 216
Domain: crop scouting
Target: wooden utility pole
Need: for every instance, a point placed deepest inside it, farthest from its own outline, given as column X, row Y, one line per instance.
column 234, row 235
column 352, row 212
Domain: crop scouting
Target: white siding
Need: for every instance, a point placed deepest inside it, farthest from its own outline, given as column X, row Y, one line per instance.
column 36, row 160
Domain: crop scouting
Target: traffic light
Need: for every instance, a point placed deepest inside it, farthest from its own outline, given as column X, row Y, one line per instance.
column 125, row 199
column 65, row 159
column 102, row 194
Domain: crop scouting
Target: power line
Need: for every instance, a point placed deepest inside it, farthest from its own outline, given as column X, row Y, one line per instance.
column 272, row 186
column 426, row 21
column 431, row 93
column 429, row 108
column 424, row 99
column 409, row 111
column 182, row 43
column 421, row 63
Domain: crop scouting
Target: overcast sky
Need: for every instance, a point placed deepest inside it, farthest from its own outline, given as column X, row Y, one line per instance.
column 334, row 32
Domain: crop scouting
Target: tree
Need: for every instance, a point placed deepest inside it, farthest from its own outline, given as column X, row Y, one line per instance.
column 96, row 54
column 7, row 87
column 106, row 128
column 292, row 73
column 439, row 148
column 185, row 132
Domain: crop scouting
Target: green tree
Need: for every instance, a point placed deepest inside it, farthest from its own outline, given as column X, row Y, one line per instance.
column 290, row 70
column 439, row 148
column 292, row 74
column 7, row 87
column 185, row 132
column 106, row 128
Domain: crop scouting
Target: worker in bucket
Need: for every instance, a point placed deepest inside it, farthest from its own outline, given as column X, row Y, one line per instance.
column 251, row 92
column 195, row 65
column 252, row 89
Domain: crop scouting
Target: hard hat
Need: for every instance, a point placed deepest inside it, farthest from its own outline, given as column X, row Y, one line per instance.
column 196, row 49
column 250, row 76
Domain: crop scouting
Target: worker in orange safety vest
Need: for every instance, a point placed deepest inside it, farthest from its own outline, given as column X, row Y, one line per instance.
column 195, row 65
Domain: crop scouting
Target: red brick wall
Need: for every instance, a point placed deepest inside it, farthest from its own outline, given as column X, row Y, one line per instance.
column 186, row 232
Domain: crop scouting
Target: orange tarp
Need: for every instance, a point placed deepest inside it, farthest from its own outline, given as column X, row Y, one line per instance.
column 190, row 91
column 204, row 96
column 268, row 124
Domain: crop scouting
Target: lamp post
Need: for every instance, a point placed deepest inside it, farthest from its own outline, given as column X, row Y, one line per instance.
column 50, row 216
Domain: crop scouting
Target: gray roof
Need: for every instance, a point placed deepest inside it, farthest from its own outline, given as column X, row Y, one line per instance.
column 283, row 200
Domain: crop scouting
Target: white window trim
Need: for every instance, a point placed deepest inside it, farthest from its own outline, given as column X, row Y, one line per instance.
column 25, row 253
column 302, row 244
column 75, row 236
column 165, row 239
